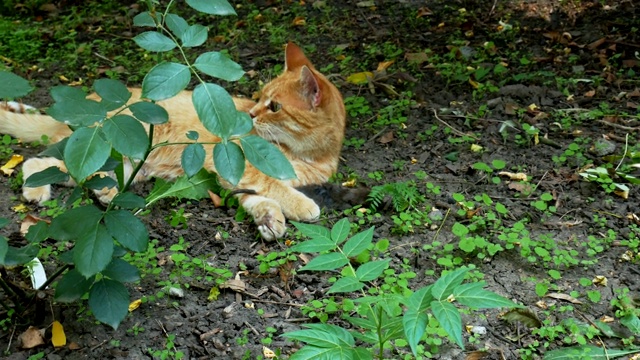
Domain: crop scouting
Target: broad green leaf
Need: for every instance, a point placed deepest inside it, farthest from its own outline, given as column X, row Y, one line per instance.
column 361, row 354
column 315, row 338
column 149, row 113
column 165, row 80
column 127, row 200
column 194, row 35
column 314, row 245
column 229, row 162
column 64, row 93
column 20, row 256
column 121, row 271
column 590, row 352
column 176, row 24
column 344, row 337
column 242, row 125
column 218, row 65
column 109, row 301
column 194, row 188
column 127, row 136
column 4, row 247
column 50, row 175
column 318, row 353
column 340, row 230
column 193, row 135
column 477, row 298
column 367, row 323
column 154, row 41
column 313, row 231
column 55, row 150
column 212, row 7
column 4, row 222
column 330, row 261
column 112, row 92
column 74, row 223
column 421, row 299
column 632, row 322
column 358, row 243
column 93, row 251
column 100, row 182
column 86, row 152
column 37, row 232
column 79, row 112
column 193, row 157
column 415, row 324
column 215, row 109
column 145, row 19
column 267, row 158
column 445, row 285
column 127, row 229
column 13, row 86
column 450, row 320
column 72, row 286
column 346, row 284
column 371, row 270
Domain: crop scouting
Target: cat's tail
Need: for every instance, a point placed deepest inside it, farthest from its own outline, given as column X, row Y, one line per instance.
column 27, row 124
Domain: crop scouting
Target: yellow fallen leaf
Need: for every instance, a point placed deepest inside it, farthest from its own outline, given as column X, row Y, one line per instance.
column 350, row 183
column 213, row 294
column 514, row 176
column 474, row 84
column 63, row 78
column 384, row 65
column 22, row 208
column 360, row 78
column 268, row 353
column 58, row 338
column 476, row 148
column 7, row 168
column 299, row 21
column 134, row 305
column 600, row 280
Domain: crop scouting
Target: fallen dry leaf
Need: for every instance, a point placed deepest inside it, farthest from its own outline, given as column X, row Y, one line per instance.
column 58, row 337
column 514, row 176
column 74, row 346
column 20, row 208
column 350, row 183
column 299, row 21
column 134, row 305
column 268, row 353
column 382, row 66
column 386, row 138
column 235, row 284
column 32, row 337
column 590, row 93
column 215, row 199
column 564, row 297
column 28, row 221
column 8, row 168
column 360, row 78
column 600, row 280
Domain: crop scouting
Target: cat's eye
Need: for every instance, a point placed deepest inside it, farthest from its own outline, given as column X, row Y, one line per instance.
column 274, row 106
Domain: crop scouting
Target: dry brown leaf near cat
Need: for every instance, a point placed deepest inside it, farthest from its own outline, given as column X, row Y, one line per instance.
column 300, row 111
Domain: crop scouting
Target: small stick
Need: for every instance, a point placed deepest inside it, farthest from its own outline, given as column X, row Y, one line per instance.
column 455, row 131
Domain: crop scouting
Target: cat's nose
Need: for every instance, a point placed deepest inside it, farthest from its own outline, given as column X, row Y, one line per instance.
column 252, row 114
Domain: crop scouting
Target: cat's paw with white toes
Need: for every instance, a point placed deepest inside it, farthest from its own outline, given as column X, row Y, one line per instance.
column 38, row 194
column 267, row 214
column 302, row 209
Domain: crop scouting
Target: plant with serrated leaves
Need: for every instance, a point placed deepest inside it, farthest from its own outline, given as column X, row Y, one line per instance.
column 384, row 317
column 403, row 195
column 101, row 142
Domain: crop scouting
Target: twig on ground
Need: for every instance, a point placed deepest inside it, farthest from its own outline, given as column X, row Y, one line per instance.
column 455, row 131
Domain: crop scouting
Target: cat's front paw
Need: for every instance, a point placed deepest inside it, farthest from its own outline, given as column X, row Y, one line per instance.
column 269, row 219
column 301, row 209
column 38, row 194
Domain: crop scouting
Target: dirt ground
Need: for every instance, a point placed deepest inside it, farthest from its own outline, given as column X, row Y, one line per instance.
column 571, row 41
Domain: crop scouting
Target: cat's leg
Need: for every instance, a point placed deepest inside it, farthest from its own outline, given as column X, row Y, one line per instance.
column 267, row 214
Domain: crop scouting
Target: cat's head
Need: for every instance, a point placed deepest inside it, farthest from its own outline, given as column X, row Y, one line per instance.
column 301, row 110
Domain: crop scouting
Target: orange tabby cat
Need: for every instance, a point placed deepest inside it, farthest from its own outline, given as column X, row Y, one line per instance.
column 300, row 111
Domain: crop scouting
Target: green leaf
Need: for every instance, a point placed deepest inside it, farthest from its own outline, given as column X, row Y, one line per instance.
column 4, row 222
column 215, row 109
column 37, row 233
column 342, row 336
column 127, row 136
column 340, row 230
column 112, row 92
column 193, row 159
column 50, row 175
column 212, row 7
column 346, row 284
column 313, row 231
column 20, row 256
column 149, row 113
column 176, row 24
column 315, row 338
column 109, row 302
column 421, row 299
column 414, row 323
column 154, row 41
column 121, row 271
column 194, row 35
column 358, row 243
column 100, row 182
column 242, row 125
column 193, row 135
column 55, row 150
column 93, row 250
column 267, row 158
column 72, row 286
column 165, row 80
column 127, row 229
column 473, row 296
column 13, row 86
column 145, row 19
column 632, row 322
column 445, row 285
column 371, row 270
column 4, row 248
column 330, row 261
column 229, row 161
column 79, row 112
column 127, row 200
column 64, row 93
column 216, row 64
column 318, row 353
column 75, row 222
column 590, row 352
column 450, row 320
column 194, row 188
column 314, row 245
column 86, row 152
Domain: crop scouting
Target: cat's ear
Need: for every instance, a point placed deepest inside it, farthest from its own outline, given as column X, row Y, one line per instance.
column 310, row 86
column 294, row 58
